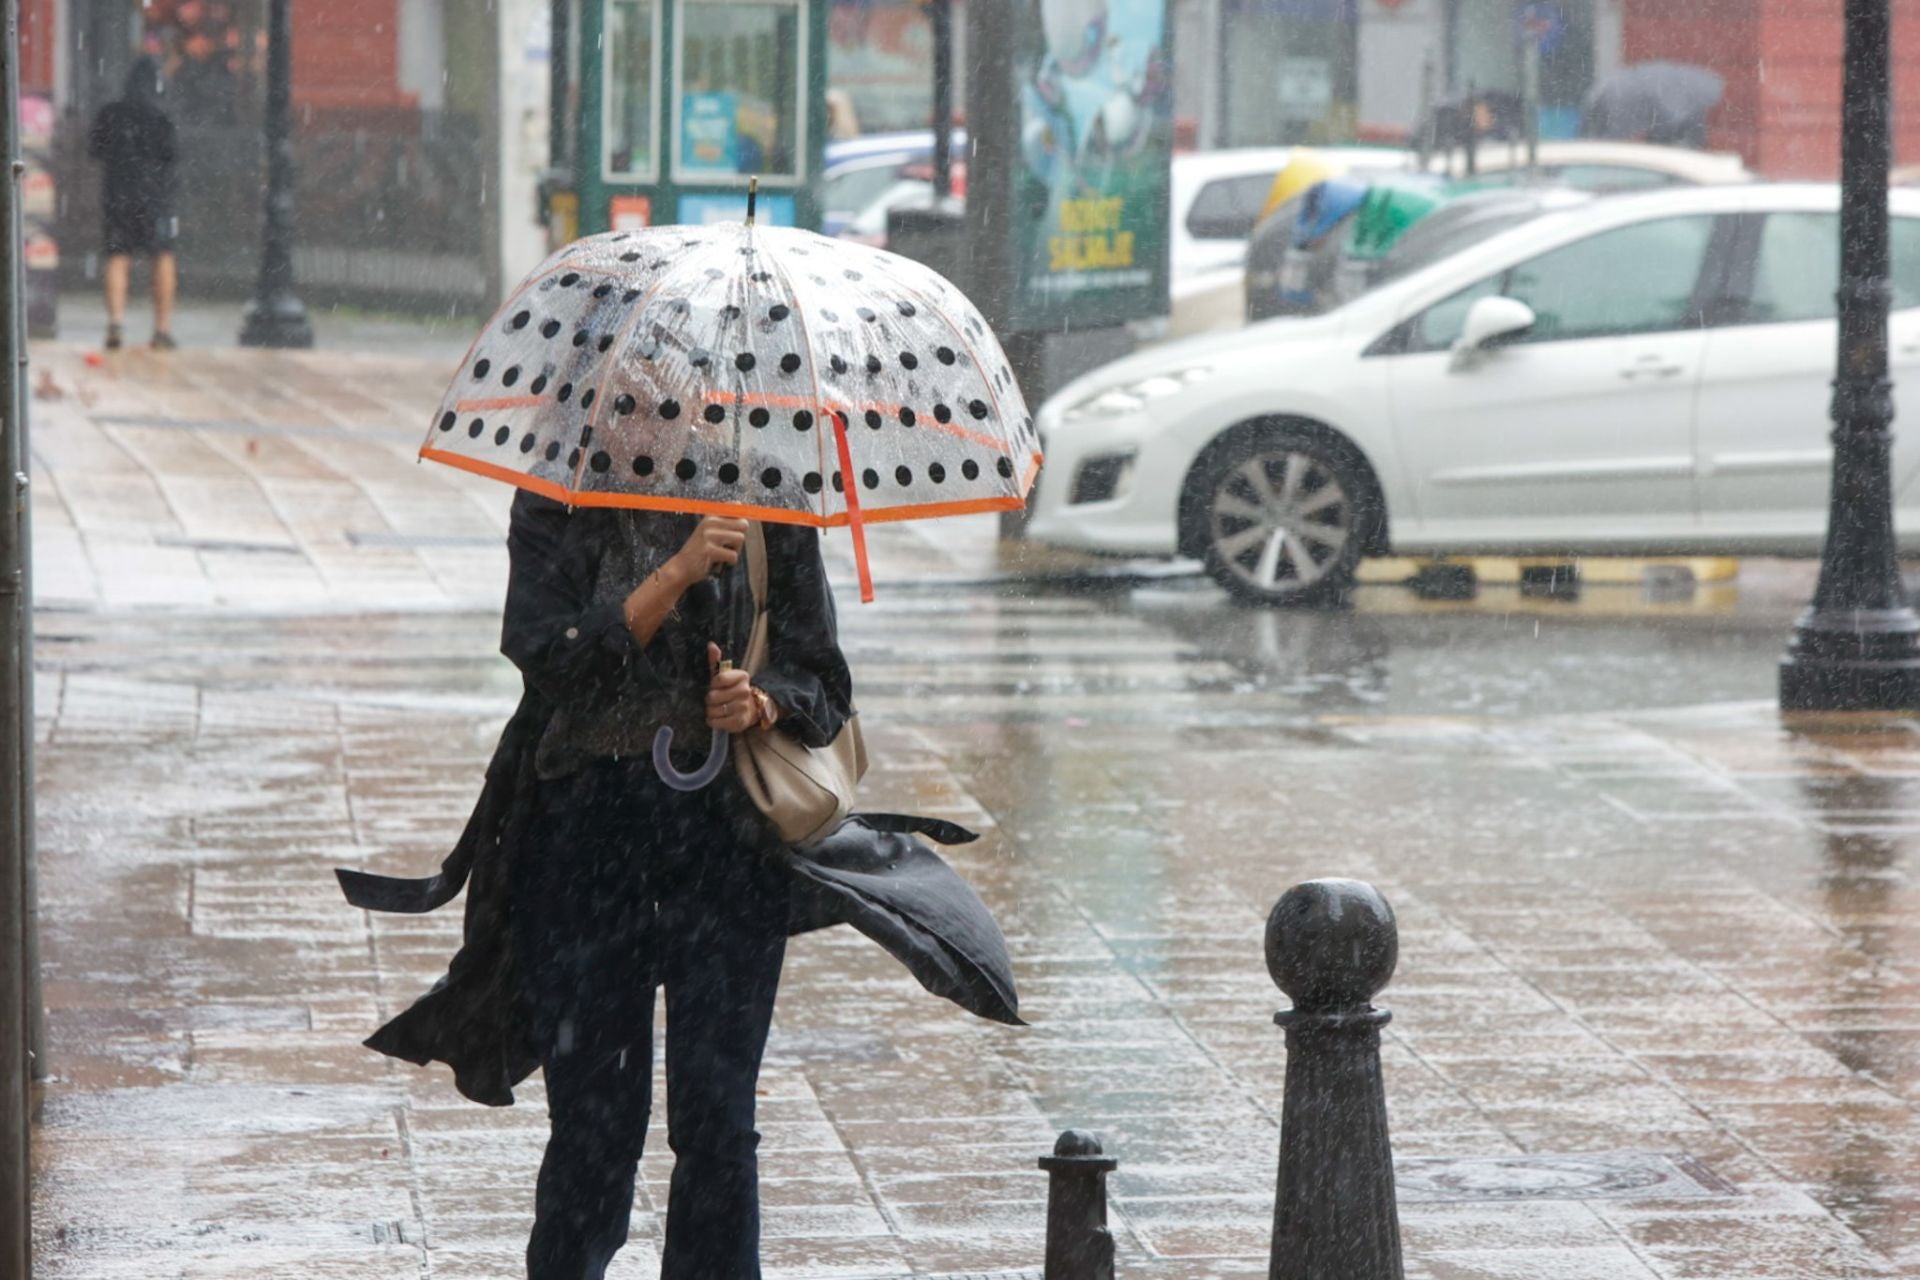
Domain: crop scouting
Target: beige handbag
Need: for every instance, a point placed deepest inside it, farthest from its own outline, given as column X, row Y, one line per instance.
column 806, row 792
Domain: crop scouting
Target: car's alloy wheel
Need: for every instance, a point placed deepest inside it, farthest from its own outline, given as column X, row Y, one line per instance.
column 1282, row 525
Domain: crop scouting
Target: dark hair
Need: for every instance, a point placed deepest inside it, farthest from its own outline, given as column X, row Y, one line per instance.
column 144, row 84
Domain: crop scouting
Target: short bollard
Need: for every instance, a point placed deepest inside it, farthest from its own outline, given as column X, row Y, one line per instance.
column 1079, row 1246
column 1331, row 946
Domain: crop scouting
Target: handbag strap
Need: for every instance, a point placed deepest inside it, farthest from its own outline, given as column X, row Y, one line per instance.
column 756, row 554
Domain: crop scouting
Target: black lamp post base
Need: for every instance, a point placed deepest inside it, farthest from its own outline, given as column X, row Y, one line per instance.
column 281, row 323
column 1853, row 660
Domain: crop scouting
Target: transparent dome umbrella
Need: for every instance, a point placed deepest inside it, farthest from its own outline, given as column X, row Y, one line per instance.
column 741, row 370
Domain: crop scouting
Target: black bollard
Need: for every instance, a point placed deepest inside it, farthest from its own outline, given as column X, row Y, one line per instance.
column 1331, row 946
column 1079, row 1246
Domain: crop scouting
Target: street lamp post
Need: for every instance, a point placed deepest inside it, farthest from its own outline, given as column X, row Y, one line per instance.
column 276, row 317
column 1857, row 646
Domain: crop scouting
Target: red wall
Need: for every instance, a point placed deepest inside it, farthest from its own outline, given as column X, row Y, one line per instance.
column 38, row 35
column 346, row 58
column 1781, row 62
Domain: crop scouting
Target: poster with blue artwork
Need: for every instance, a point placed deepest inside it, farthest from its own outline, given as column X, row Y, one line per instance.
column 709, row 138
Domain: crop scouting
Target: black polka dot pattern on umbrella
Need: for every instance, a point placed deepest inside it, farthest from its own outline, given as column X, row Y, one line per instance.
column 692, row 366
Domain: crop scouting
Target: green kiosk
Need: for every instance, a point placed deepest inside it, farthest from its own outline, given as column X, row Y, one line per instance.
column 664, row 110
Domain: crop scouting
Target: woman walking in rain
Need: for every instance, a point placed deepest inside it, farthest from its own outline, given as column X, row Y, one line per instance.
column 134, row 142
column 631, row 885
column 655, row 627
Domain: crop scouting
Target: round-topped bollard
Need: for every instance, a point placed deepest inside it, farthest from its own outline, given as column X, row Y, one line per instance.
column 1079, row 1246
column 1331, row 947
column 1332, row 944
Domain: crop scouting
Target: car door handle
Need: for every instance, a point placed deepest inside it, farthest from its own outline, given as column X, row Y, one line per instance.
column 1652, row 367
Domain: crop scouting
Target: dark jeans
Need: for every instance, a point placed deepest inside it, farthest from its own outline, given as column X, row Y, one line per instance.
column 640, row 887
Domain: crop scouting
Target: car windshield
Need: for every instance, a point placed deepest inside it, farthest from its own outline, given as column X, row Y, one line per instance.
column 1430, row 242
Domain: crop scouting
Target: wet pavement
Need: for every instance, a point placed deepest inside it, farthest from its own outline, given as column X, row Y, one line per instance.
column 1657, row 1011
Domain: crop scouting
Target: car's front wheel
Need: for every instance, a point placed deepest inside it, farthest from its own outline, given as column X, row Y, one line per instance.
column 1282, row 515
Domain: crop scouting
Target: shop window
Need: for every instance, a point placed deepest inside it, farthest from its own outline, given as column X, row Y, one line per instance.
column 738, row 64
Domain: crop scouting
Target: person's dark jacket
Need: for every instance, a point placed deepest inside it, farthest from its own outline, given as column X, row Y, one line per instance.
column 138, row 149
column 873, row 873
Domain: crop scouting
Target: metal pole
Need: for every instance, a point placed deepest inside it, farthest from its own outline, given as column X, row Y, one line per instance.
column 276, row 317
column 1331, row 946
column 941, row 14
column 1857, row 647
column 16, row 737
column 29, row 849
column 1530, row 88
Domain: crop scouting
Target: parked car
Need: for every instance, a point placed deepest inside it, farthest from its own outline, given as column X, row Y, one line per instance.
column 1456, row 221
column 1594, row 164
column 860, row 170
column 1295, row 268
column 1642, row 374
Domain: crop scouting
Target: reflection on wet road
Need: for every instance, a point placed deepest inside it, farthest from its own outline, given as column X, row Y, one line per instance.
column 1639, row 921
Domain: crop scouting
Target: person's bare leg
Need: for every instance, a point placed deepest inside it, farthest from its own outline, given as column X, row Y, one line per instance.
column 165, row 277
column 119, row 268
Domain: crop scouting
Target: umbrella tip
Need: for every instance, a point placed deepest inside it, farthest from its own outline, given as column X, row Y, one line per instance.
column 753, row 196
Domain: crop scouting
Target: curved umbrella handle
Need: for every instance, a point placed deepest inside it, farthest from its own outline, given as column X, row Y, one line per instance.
column 663, row 763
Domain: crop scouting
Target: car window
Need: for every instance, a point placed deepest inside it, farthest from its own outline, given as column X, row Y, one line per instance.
column 1634, row 279
column 1438, row 327
column 1227, row 208
column 1796, row 271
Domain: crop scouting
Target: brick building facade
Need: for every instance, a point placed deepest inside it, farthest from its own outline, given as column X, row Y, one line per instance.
column 1781, row 62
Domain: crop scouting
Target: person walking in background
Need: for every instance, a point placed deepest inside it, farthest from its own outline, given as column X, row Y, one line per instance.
column 135, row 143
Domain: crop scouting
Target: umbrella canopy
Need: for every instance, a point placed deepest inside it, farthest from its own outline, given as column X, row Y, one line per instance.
column 1390, row 207
column 1326, row 206
column 759, row 372
column 1305, row 167
column 1653, row 102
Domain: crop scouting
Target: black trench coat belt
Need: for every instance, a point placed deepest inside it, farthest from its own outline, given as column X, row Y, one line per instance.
column 872, row 873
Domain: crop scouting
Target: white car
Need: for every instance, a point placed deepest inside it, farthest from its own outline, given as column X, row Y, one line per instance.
column 1643, row 374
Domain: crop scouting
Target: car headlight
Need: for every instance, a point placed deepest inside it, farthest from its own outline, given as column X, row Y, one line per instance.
column 1134, row 396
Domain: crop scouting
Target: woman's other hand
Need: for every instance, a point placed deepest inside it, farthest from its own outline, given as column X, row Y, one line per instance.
column 731, row 704
column 716, row 543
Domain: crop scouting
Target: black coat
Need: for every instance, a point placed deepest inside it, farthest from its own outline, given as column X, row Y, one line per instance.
column 574, row 652
column 136, row 146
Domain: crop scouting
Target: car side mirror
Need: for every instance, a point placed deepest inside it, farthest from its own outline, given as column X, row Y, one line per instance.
column 1490, row 322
